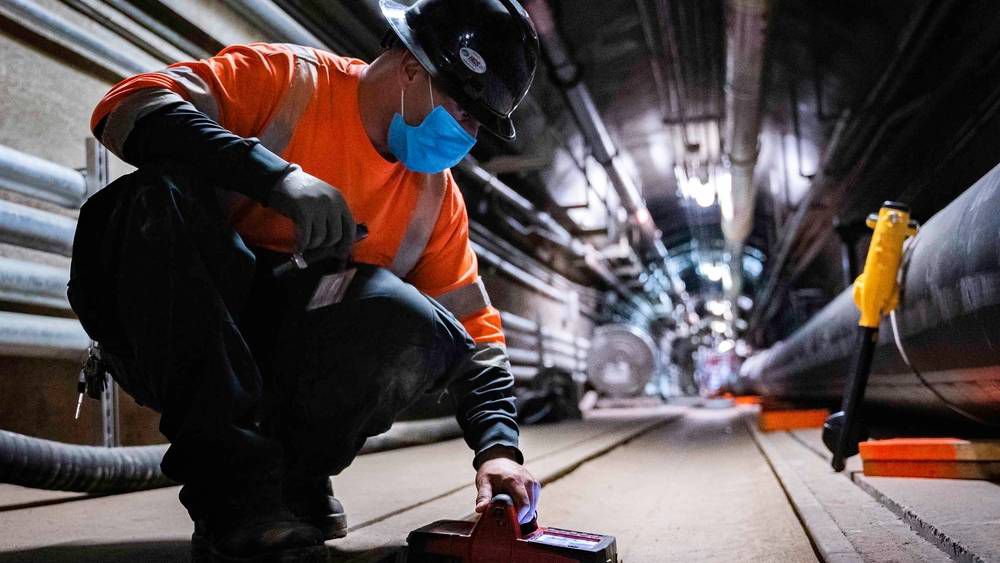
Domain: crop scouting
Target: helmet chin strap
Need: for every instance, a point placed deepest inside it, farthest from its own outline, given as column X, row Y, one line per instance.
column 402, row 98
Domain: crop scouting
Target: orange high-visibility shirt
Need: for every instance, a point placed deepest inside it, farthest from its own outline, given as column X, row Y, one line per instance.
column 246, row 84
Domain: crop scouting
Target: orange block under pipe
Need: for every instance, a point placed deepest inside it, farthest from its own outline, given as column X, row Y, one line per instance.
column 943, row 458
column 770, row 421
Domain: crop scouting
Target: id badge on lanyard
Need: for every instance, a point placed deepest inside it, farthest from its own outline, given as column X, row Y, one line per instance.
column 331, row 289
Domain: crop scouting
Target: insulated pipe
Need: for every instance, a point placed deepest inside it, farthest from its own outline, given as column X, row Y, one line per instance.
column 40, row 20
column 32, row 336
column 28, row 227
column 45, row 464
column 413, row 433
column 581, row 104
column 745, row 38
column 33, row 284
column 528, row 326
column 947, row 361
column 559, row 234
column 39, row 178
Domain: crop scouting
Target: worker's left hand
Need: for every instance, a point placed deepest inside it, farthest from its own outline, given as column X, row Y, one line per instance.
column 503, row 475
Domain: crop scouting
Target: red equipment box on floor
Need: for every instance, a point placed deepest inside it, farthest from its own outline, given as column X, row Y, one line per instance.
column 498, row 538
column 942, row 458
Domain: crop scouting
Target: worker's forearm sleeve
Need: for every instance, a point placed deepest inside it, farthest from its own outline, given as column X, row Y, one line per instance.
column 179, row 132
column 483, row 392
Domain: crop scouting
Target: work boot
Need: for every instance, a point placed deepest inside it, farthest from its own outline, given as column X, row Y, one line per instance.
column 280, row 538
column 312, row 501
column 244, row 521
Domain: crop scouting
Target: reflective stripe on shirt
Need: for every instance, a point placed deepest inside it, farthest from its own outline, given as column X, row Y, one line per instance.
column 279, row 130
column 466, row 300
column 120, row 122
column 421, row 225
column 198, row 89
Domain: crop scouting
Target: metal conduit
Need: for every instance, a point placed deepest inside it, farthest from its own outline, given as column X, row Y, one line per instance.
column 745, row 38
column 33, row 284
column 526, row 325
column 531, row 347
column 28, row 227
column 39, row 178
column 33, row 336
column 515, row 272
column 52, row 26
column 947, row 361
column 581, row 104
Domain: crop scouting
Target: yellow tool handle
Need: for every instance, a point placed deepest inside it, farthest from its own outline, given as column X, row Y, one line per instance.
column 876, row 291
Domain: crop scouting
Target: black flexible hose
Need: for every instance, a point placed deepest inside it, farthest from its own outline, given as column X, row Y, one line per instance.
column 45, row 464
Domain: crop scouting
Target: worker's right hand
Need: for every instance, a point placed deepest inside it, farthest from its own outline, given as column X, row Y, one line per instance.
column 322, row 218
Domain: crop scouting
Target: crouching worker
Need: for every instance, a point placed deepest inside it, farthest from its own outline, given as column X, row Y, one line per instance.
column 268, row 158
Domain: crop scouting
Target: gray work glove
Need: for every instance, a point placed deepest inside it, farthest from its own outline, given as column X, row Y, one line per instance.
column 322, row 219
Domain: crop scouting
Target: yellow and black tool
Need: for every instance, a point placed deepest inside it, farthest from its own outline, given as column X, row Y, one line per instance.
column 876, row 294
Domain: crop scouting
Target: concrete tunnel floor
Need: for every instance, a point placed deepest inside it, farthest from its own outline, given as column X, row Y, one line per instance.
column 671, row 484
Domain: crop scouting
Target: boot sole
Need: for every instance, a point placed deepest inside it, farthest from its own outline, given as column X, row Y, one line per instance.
column 333, row 526
column 312, row 554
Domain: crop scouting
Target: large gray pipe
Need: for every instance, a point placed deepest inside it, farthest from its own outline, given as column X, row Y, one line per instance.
column 48, row 24
column 39, row 178
column 33, row 284
column 948, row 320
column 746, row 26
column 32, row 336
column 25, row 226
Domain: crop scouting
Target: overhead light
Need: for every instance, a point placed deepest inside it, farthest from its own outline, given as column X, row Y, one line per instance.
column 703, row 193
column 643, row 216
column 719, row 327
column 724, row 187
column 716, row 307
column 714, row 271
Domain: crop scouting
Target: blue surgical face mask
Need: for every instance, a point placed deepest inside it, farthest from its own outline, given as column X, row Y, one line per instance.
column 438, row 143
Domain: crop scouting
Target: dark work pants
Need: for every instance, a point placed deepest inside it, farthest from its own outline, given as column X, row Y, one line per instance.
column 251, row 386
